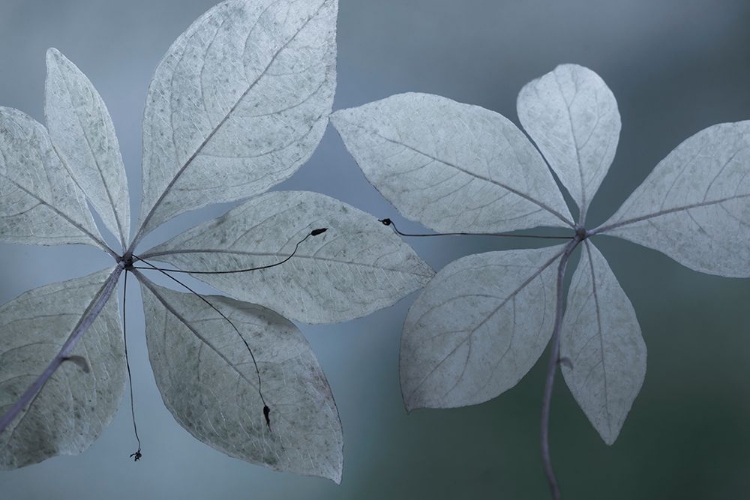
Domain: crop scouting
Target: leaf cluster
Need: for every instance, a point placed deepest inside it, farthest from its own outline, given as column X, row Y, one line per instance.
column 484, row 320
column 237, row 105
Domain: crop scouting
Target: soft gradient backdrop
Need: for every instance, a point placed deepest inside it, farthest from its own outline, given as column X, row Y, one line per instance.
column 675, row 68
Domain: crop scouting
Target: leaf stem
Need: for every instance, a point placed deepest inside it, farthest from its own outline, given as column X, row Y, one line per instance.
column 91, row 313
column 166, row 272
column 137, row 455
column 314, row 232
column 554, row 360
column 389, row 222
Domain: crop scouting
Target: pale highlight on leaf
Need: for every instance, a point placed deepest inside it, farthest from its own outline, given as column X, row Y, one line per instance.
column 238, row 104
column 75, row 405
column 84, row 136
column 452, row 166
column 601, row 343
column 208, row 381
column 572, row 116
column 478, row 327
column 356, row 267
column 695, row 205
column 39, row 201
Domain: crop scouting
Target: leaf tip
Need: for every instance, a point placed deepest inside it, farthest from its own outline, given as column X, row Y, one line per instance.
column 338, row 117
column 52, row 53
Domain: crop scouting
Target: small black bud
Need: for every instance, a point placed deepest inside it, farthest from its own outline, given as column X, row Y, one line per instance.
column 386, row 222
column 316, row 232
column 267, row 413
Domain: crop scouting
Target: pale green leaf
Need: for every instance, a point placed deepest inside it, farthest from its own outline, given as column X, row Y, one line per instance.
column 75, row 405
column 39, row 201
column 604, row 356
column 83, row 135
column 572, row 116
column 695, row 205
column 238, row 104
column 208, row 381
column 452, row 166
column 478, row 327
column 356, row 267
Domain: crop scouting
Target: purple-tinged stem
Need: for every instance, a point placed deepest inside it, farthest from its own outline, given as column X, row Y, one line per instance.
column 554, row 357
column 95, row 308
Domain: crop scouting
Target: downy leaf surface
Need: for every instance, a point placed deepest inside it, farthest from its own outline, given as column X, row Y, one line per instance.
column 41, row 204
column 238, row 104
column 695, row 205
column 84, row 137
column 602, row 345
column 572, row 116
column 452, row 166
column 478, row 327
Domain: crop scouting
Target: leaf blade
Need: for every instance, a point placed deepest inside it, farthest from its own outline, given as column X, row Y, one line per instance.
column 356, row 267
column 39, row 202
column 84, row 136
column 694, row 206
column 472, row 168
column 602, row 339
column 237, row 68
column 208, row 382
column 75, row 405
column 572, row 116
column 478, row 300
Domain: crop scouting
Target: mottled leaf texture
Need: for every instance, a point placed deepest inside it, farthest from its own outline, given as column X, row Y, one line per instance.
column 356, row 267
column 75, row 405
column 238, row 104
column 452, row 166
column 83, row 135
column 39, row 201
column 695, row 205
column 602, row 342
column 208, row 381
column 478, row 327
column 572, row 116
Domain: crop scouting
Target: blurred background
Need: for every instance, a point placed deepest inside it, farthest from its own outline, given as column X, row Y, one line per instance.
column 675, row 67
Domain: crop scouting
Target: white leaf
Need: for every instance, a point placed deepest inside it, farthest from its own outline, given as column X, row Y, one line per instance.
column 601, row 345
column 238, row 104
column 208, row 381
column 356, row 267
column 572, row 116
column 695, row 205
column 84, row 136
column 39, row 202
column 75, row 405
column 452, row 166
column 478, row 327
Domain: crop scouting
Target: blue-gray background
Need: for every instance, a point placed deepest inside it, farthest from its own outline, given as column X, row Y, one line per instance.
column 675, row 67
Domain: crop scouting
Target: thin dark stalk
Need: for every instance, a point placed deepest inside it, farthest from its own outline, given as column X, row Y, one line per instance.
column 92, row 312
column 554, row 360
column 137, row 455
column 389, row 222
column 209, row 304
column 314, row 232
